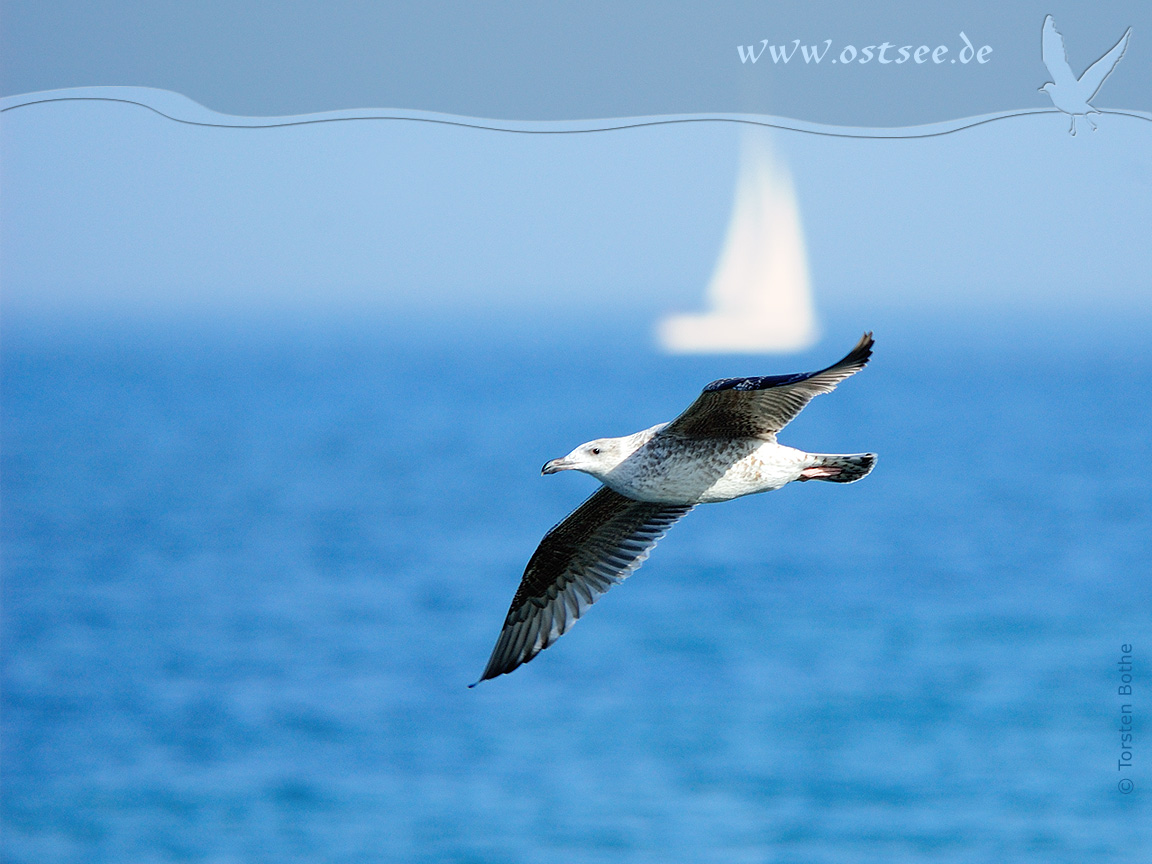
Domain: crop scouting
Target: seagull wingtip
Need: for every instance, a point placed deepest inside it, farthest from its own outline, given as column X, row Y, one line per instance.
column 863, row 349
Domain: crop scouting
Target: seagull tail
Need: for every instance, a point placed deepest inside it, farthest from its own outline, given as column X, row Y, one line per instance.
column 839, row 468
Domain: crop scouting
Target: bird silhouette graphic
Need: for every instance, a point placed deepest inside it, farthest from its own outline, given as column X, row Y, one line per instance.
column 1070, row 94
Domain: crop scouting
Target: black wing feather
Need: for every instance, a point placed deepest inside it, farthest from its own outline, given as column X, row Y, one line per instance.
column 601, row 543
column 761, row 407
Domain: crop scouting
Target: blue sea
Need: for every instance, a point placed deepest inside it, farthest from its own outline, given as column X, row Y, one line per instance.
column 249, row 572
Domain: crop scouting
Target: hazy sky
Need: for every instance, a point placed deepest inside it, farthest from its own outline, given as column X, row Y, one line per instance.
column 108, row 207
column 110, row 204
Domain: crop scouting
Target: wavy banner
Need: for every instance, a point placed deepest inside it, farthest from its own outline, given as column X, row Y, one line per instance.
column 880, row 65
column 181, row 109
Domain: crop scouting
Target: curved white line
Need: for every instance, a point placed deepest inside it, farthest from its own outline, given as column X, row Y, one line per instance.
column 180, row 109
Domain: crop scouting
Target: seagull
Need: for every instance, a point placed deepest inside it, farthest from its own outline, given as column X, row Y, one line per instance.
column 722, row 447
column 1069, row 93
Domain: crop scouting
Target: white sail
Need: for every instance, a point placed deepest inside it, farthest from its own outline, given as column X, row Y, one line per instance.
column 761, row 300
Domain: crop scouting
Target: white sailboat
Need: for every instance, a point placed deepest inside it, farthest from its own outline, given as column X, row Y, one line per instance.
column 760, row 295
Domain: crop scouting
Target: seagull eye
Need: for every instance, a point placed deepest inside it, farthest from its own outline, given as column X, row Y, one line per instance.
column 595, row 451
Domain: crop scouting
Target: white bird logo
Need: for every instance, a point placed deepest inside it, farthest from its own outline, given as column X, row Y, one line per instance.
column 1069, row 93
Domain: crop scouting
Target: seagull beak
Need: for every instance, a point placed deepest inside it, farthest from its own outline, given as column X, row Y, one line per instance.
column 556, row 465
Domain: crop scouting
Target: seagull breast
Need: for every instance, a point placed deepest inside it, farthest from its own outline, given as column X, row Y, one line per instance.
column 671, row 470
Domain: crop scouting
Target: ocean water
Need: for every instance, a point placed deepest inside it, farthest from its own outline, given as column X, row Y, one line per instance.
column 248, row 574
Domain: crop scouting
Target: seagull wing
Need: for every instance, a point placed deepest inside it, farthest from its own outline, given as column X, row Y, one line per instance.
column 598, row 545
column 761, row 407
column 1095, row 74
column 1055, row 55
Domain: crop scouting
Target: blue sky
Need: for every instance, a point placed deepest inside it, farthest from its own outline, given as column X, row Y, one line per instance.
column 110, row 209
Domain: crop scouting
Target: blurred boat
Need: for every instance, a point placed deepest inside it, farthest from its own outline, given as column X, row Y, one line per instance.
column 760, row 296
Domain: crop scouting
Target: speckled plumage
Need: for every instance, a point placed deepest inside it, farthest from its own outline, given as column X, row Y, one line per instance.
column 722, row 447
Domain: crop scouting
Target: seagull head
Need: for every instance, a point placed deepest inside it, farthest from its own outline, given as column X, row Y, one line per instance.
column 1047, row 88
column 597, row 458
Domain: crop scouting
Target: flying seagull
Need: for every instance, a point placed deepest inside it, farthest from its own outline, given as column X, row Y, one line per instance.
column 724, row 446
column 1069, row 93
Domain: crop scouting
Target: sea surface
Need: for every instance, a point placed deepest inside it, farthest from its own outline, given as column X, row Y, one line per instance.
column 249, row 571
